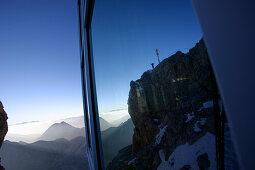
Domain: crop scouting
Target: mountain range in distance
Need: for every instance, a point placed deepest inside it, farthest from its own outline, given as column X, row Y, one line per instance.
column 67, row 131
column 78, row 122
column 41, row 155
column 121, row 120
column 116, row 138
column 61, row 130
column 63, row 146
column 68, row 128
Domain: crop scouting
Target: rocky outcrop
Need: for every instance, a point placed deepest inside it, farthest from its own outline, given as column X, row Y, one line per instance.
column 3, row 123
column 171, row 107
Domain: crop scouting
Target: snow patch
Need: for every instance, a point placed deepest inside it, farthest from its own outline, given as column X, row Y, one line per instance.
column 221, row 106
column 206, row 105
column 131, row 161
column 139, row 86
column 156, row 120
column 160, row 134
column 187, row 154
column 196, row 128
column 164, row 165
column 202, row 121
column 189, row 116
column 230, row 157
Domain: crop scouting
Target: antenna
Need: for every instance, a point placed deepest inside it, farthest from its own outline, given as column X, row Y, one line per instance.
column 157, row 54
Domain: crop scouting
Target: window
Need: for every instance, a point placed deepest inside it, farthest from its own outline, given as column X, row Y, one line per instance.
column 40, row 87
column 151, row 88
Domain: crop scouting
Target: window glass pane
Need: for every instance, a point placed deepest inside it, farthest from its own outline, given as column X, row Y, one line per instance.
column 158, row 101
column 40, row 86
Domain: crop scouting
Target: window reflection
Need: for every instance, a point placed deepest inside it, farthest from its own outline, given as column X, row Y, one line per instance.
column 159, row 105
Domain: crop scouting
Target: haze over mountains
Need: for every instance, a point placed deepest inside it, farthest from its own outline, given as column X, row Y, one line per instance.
column 61, row 130
column 62, row 146
column 66, row 131
column 121, row 120
column 41, row 155
column 116, row 138
column 115, row 117
column 25, row 138
column 79, row 122
column 31, row 131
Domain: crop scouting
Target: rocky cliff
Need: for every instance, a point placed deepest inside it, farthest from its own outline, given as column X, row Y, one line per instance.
column 171, row 107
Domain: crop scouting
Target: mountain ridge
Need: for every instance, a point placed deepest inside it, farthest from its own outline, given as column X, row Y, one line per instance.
column 41, row 155
column 61, row 130
column 115, row 138
column 171, row 106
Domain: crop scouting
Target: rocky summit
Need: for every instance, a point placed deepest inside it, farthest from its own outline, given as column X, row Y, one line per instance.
column 171, row 107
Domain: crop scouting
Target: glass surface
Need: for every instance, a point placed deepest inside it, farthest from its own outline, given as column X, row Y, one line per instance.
column 41, row 86
column 158, row 101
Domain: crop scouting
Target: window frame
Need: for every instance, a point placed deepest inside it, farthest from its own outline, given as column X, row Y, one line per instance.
column 90, row 107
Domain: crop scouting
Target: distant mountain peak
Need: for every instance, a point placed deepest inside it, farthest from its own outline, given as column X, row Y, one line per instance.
column 63, row 123
column 104, row 124
column 61, row 130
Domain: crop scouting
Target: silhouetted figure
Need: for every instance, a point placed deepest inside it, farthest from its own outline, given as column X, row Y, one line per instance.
column 157, row 54
column 3, row 127
column 152, row 65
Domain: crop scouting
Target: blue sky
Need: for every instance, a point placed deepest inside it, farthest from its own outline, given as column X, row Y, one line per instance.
column 39, row 51
column 125, row 36
column 39, row 58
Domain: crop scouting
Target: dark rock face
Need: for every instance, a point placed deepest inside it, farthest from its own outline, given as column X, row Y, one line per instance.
column 203, row 162
column 185, row 167
column 3, row 123
column 170, row 106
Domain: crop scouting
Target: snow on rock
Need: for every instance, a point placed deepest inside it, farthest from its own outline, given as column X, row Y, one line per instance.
column 196, row 128
column 187, row 154
column 221, row 106
column 156, row 120
column 206, row 105
column 202, row 121
column 160, row 134
column 230, row 157
column 189, row 117
column 139, row 86
column 131, row 161
column 164, row 165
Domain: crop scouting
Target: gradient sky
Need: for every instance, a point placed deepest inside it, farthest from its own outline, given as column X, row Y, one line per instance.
column 39, row 59
column 125, row 36
column 39, row 51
